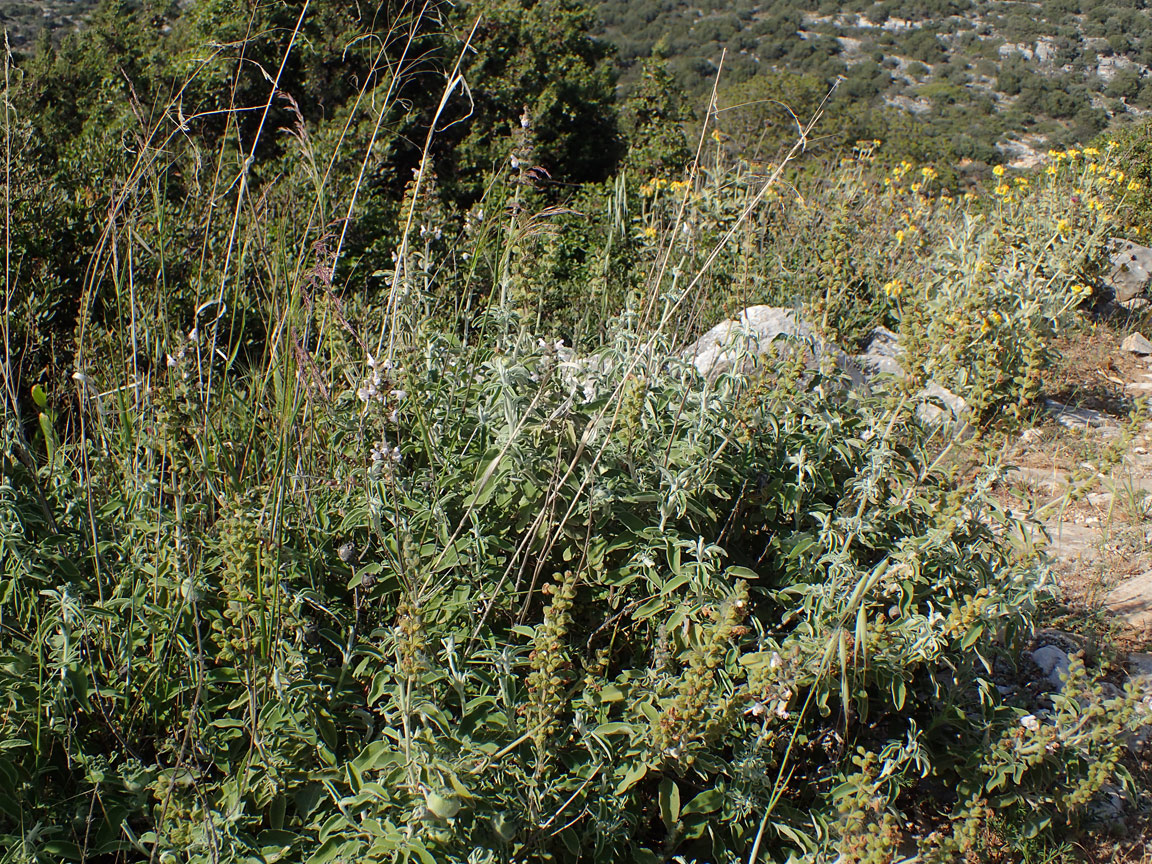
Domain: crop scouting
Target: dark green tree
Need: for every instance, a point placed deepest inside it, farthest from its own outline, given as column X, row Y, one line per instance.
column 653, row 118
column 534, row 54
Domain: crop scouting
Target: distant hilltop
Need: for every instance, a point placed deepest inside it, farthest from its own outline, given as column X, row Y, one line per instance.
column 24, row 20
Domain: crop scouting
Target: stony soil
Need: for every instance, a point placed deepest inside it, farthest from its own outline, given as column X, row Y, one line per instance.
column 1083, row 473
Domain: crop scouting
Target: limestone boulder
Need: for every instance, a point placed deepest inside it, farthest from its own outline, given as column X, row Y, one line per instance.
column 883, row 355
column 759, row 330
column 1131, row 269
column 737, row 344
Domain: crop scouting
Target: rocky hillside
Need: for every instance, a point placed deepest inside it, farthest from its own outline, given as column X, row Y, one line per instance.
column 976, row 75
column 24, row 21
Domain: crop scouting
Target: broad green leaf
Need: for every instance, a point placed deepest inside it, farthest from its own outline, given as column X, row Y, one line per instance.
column 614, row 729
column 669, row 797
column 441, row 806
column 707, row 801
column 632, row 776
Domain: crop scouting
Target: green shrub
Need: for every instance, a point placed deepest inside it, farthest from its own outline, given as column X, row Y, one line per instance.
column 305, row 564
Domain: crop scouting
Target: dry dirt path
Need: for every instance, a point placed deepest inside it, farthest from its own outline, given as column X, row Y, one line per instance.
column 1085, row 472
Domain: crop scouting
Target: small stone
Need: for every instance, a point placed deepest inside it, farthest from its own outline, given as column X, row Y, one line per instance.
column 1108, row 806
column 1137, row 344
column 1075, row 418
column 1031, row 436
column 1140, row 668
column 1053, row 662
column 930, row 413
column 1131, row 269
column 1132, row 600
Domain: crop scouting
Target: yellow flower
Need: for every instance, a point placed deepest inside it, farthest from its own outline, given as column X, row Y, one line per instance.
column 984, row 325
column 1072, row 154
column 1003, row 189
column 716, row 136
column 996, row 317
column 915, row 187
column 875, row 142
column 1112, row 145
column 1133, row 186
column 998, row 170
column 650, row 232
column 1062, row 227
column 900, row 236
column 1052, row 171
column 928, row 173
column 893, row 288
column 1091, row 151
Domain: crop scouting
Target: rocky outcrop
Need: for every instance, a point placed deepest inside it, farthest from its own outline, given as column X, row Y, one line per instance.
column 936, row 405
column 761, row 329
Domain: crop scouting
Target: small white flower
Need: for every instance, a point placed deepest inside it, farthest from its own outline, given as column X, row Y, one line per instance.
column 1029, row 722
column 171, row 361
column 515, row 161
column 193, row 335
column 399, row 395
